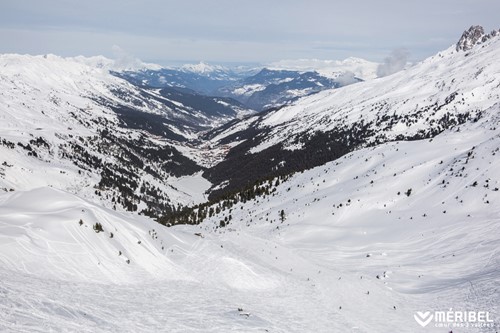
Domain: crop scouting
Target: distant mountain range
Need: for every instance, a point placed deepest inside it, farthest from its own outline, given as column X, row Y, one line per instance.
column 274, row 88
column 258, row 89
column 200, row 78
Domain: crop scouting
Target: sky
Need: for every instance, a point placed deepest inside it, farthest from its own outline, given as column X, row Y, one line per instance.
column 239, row 31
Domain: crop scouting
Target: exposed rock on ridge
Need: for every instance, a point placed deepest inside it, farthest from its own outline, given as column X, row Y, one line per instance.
column 475, row 35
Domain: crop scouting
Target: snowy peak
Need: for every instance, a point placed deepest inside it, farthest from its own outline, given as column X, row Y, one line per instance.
column 202, row 68
column 475, row 35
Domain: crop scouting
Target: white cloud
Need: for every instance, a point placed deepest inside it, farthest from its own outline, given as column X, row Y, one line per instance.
column 124, row 60
column 393, row 63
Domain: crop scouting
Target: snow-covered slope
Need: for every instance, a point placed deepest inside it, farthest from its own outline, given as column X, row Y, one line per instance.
column 49, row 233
column 449, row 88
column 384, row 232
column 64, row 124
column 363, row 243
column 449, row 82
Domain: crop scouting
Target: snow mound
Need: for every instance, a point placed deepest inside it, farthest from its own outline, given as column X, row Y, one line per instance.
column 50, row 233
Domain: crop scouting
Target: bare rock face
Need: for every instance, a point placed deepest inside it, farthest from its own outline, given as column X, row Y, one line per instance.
column 470, row 38
column 475, row 35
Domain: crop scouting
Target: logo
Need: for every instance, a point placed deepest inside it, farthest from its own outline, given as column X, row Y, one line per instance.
column 450, row 318
column 423, row 318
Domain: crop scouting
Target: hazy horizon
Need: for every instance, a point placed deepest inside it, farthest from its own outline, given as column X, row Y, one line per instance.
column 229, row 32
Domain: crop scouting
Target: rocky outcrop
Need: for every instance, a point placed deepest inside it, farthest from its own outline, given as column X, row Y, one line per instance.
column 475, row 35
